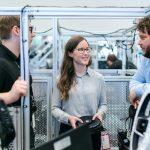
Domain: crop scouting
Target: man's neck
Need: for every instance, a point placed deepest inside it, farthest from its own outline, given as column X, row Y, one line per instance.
column 12, row 46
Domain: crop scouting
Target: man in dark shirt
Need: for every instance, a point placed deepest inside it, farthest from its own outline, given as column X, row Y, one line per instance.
column 11, row 86
column 9, row 73
column 114, row 63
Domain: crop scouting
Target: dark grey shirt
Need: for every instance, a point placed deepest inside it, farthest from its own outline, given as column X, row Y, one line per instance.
column 87, row 97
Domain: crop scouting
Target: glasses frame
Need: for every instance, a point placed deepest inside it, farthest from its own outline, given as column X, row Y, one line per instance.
column 82, row 50
column 31, row 28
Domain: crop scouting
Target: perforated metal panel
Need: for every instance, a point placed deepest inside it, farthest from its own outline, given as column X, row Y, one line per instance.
column 42, row 117
column 118, row 104
column 15, row 113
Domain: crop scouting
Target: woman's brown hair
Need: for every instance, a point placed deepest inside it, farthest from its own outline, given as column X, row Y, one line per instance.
column 67, row 73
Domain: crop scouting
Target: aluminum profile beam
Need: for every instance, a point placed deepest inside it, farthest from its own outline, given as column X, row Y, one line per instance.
column 147, row 11
column 10, row 10
column 55, row 46
column 25, row 75
column 89, row 12
column 76, row 12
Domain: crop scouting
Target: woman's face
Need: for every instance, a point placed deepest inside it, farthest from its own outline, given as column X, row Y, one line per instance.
column 81, row 54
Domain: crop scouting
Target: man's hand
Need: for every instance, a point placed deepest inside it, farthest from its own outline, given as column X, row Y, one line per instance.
column 73, row 120
column 19, row 88
column 134, row 99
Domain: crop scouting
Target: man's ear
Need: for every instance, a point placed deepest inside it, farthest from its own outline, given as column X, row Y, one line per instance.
column 15, row 30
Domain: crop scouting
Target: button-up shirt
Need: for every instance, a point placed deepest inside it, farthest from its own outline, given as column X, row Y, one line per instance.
column 141, row 80
column 87, row 97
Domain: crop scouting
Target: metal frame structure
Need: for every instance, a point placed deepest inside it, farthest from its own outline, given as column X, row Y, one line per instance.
column 55, row 14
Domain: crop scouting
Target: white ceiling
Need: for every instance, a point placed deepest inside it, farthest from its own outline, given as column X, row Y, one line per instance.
column 94, row 26
column 77, row 3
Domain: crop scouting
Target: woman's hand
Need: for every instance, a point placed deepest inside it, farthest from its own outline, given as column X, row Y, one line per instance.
column 73, row 120
column 98, row 116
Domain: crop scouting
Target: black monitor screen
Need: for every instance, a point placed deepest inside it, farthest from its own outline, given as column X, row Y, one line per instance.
column 102, row 64
column 75, row 139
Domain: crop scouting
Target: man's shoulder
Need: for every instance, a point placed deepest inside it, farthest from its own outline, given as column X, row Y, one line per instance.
column 4, row 62
column 144, row 63
column 116, row 64
column 6, row 65
column 145, row 60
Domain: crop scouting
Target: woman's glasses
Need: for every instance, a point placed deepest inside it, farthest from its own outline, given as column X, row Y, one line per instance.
column 83, row 50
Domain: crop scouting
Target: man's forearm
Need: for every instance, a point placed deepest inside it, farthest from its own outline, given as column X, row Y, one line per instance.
column 6, row 98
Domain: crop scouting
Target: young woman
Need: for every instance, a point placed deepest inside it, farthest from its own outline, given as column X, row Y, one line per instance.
column 80, row 91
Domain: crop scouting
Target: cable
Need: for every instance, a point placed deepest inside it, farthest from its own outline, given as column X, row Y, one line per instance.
column 93, row 33
column 44, row 31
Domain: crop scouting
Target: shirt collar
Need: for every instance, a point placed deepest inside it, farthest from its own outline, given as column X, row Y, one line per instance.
column 8, row 53
column 89, row 71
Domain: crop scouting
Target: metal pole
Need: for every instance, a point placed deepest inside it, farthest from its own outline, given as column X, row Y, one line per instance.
column 25, row 74
column 55, row 49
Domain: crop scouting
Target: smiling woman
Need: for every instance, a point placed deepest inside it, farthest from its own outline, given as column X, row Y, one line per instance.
column 79, row 90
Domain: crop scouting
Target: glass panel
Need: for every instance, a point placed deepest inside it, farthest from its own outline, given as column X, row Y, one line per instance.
column 106, row 36
column 42, row 47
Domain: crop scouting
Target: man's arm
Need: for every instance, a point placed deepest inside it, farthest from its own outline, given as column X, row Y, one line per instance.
column 19, row 88
column 138, row 84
